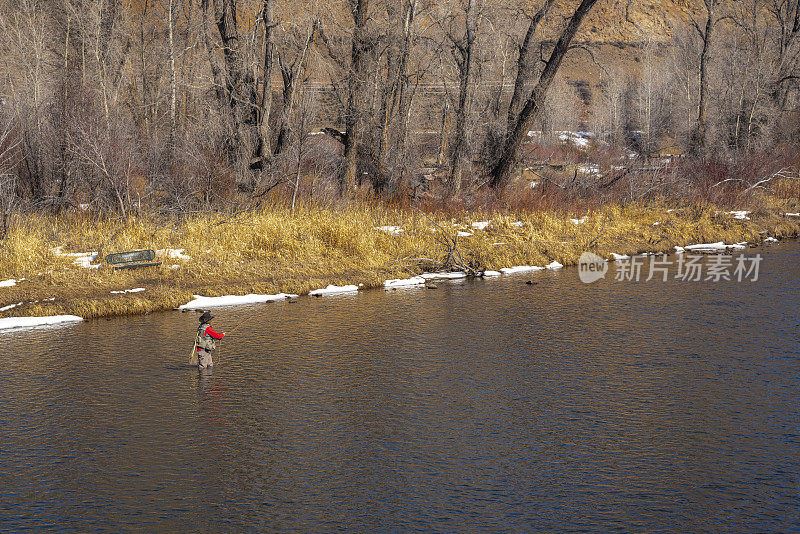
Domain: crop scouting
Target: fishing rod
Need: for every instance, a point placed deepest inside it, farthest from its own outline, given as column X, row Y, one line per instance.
column 235, row 328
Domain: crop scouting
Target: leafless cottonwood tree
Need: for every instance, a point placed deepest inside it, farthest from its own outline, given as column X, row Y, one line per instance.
column 523, row 121
column 527, row 61
column 293, row 73
column 397, row 93
column 173, row 89
column 460, row 29
column 361, row 45
column 379, row 73
column 9, row 157
column 705, row 28
column 235, row 87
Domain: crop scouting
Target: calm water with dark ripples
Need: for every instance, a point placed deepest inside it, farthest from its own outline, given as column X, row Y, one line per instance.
column 492, row 406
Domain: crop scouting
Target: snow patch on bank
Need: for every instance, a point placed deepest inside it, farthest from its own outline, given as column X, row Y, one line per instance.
column 742, row 215
column 521, row 269
column 619, row 256
column 480, row 225
column 578, row 139
column 333, row 290
column 201, row 302
column 174, row 253
column 404, row 282
column 444, row 275
column 32, row 322
column 719, row 246
column 11, row 283
column 579, row 221
column 554, row 266
column 134, row 290
column 391, row 230
column 81, row 259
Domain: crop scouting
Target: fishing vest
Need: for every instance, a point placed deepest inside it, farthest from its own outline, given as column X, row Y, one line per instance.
column 204, row 341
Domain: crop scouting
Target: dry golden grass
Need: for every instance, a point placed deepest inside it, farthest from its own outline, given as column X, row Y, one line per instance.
column 271, row 251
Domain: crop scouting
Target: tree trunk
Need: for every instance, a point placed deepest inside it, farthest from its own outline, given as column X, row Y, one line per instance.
column 172, row 86
column 524, row 64
column 697, row 145
column 356, row 88
column 462, row 146
column 394, row 101
column 240, row 103
column 501, row 172
column 265, row 148
column 293, row 75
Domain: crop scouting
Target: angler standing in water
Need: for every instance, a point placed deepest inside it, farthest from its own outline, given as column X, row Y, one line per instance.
column 205, row 342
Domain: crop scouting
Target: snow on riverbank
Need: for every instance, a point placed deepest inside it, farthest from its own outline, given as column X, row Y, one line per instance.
column 391, row 230
column 81, row 259
column 404, row 282
column 174, row 254
column 11, row 283
column 134, row 290
column 520, row 269
column 201, row 302
column 719, row 246
column 12, row 323
column 444, row 275
column 742, row 215
column 333, row 290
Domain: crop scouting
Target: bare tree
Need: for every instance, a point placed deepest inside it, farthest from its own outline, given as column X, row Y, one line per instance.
column 293, row 72
column 172, row 84
column 9, row 157
column 501, row 172
column 463, row 43
column 527, row 61
column 705, row 28
column 396, row 93
column 360, row 46
column 235, row 89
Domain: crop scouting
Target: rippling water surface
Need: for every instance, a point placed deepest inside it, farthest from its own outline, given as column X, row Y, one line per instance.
column 492, row 406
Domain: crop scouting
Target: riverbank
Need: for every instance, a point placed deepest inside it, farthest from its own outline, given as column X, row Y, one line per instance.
column 53, row 265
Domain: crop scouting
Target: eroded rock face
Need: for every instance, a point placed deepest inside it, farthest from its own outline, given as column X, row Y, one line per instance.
column 626, row 21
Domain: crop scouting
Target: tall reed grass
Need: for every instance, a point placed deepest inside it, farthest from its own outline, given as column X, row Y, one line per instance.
column 272, row 251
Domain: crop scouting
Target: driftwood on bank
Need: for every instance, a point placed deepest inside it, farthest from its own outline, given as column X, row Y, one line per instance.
column 453, row 259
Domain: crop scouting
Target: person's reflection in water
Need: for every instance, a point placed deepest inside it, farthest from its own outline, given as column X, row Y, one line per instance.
column 209, row 394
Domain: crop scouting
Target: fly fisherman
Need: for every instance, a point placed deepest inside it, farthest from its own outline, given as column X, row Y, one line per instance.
column 205, row 341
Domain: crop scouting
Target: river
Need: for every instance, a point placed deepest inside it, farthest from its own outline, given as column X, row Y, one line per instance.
column 485, row 406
